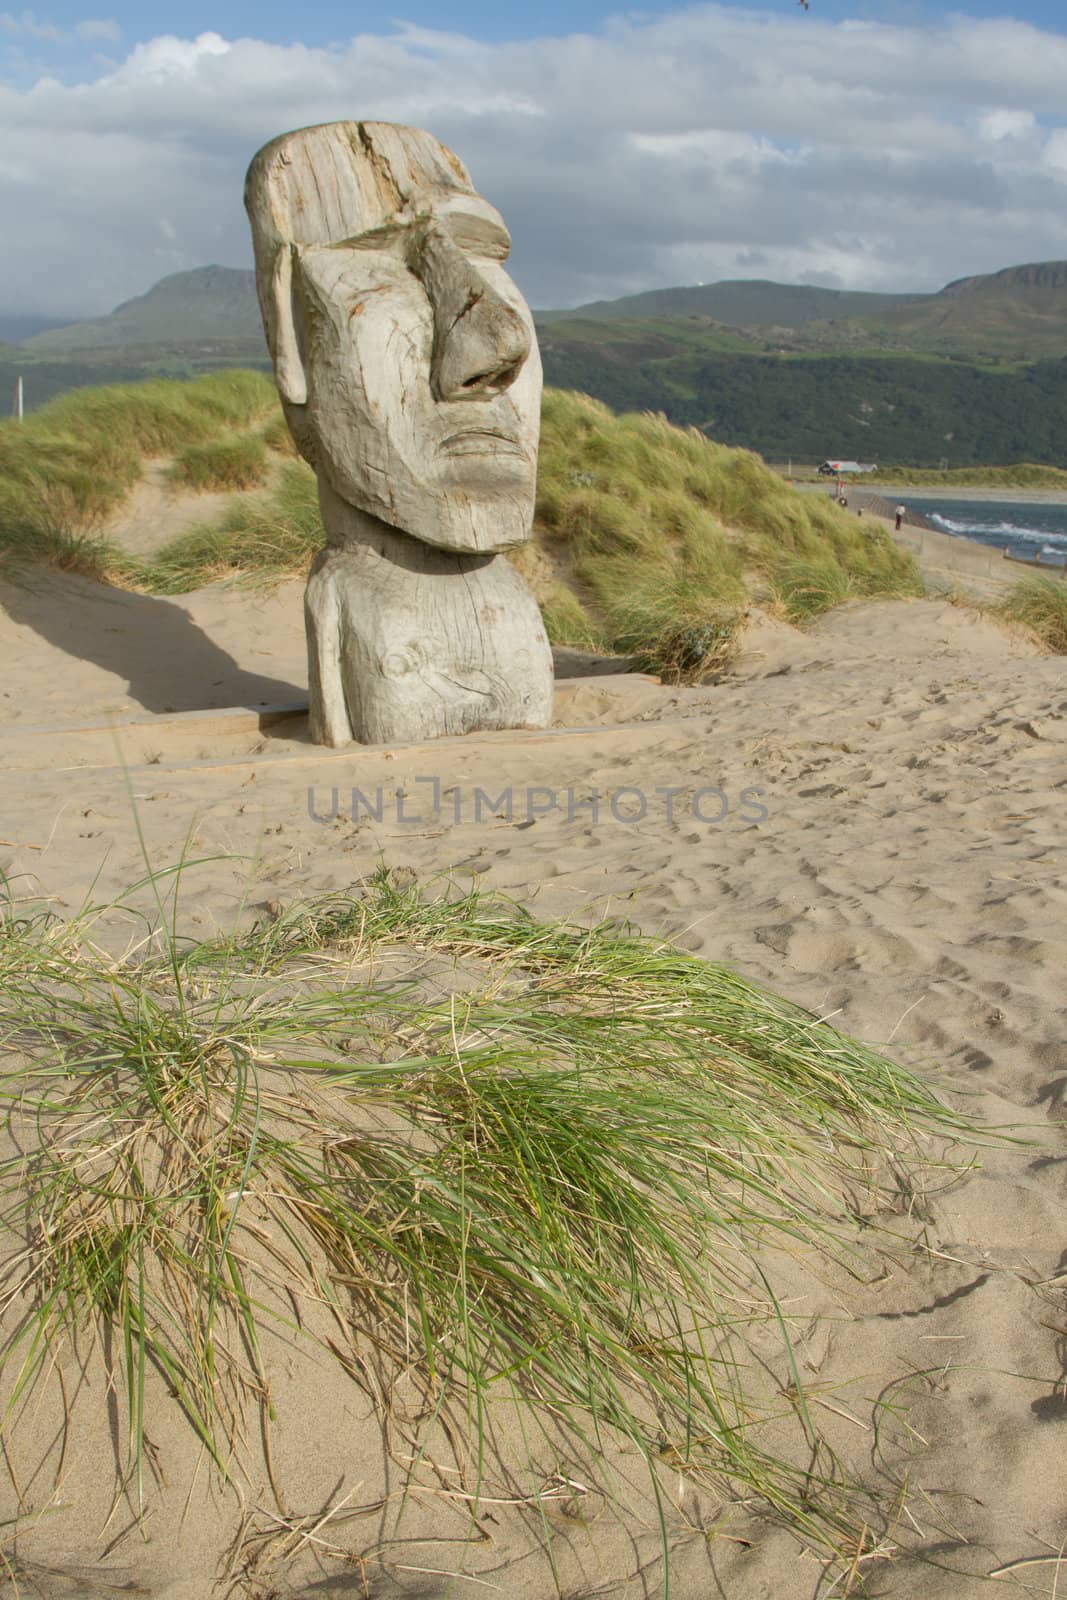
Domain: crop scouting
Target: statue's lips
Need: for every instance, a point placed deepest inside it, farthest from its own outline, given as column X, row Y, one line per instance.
column 481, row 442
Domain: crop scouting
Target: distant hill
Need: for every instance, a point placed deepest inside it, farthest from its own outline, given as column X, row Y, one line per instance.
column 206, row 303
column 1019, row 313
column 1021, row 310
column 744, row 303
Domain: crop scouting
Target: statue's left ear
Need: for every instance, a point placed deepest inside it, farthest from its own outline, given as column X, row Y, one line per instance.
column 288, row 362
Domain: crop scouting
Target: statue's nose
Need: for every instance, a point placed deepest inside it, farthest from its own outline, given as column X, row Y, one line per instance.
column 481, row 342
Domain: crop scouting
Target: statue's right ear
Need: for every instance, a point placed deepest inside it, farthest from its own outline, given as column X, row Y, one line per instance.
column 288, row 361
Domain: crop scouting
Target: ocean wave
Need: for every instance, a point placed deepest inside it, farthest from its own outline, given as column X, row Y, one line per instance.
column 1007, row 530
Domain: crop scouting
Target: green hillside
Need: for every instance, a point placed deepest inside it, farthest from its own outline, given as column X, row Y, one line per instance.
column 877, row 408
column 649, row 338
column 919, row 379
column 1019, row 313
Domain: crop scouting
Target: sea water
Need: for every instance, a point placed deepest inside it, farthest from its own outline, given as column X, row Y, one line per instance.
column 1030, row 529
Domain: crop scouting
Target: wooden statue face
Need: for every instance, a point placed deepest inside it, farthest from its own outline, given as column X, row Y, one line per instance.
column 423, row 376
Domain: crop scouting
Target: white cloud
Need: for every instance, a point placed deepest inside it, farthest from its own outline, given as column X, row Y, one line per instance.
column 714, row 142
column 28, row 26
column 96, row 28
column 169, row 57
column 1001, row 124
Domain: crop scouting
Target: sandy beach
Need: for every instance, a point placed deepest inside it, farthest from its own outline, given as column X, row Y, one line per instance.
column 866, row 817
column 941, row 491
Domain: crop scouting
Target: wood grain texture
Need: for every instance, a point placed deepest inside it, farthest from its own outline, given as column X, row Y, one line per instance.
column 406, row 642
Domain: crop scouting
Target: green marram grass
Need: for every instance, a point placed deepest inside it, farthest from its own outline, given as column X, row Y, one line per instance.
column 804, row 589
column 68, row 465
column 669, row 535
column 276, row 437
column 553, row 1185
column 238, row 462
column 567, row 621
column 1040, row 603
column 657, row 538
column 52, row 538
column 264, row 537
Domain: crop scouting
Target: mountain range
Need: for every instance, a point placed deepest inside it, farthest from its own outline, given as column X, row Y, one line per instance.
column 1018, row 313
column 974, row 373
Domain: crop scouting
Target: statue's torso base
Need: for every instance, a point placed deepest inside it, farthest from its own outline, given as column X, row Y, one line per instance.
column 408, row 642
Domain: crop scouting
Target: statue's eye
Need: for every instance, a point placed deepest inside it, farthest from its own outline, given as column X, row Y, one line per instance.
column 479, row 236
column 388, row 237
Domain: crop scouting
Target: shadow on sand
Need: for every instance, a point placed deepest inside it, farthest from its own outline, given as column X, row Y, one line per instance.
column 167, row 660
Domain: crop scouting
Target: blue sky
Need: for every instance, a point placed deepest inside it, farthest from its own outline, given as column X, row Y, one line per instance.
column 865, row 144
column 323, row 23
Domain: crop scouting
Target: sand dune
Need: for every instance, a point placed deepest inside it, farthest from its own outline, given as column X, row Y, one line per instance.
column 868, row 818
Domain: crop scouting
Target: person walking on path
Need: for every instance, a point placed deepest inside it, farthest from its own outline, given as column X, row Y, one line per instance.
column 900, row 516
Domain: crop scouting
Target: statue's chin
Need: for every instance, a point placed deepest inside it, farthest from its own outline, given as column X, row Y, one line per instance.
column 483, row 510
column 480, row 526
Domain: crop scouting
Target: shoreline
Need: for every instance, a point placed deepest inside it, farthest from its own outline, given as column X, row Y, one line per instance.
column 1051, row 497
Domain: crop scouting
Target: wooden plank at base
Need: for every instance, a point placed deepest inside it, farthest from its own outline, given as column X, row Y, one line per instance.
column 223, row 719
column 351, row 752
column 250, row 719
column 230, row 720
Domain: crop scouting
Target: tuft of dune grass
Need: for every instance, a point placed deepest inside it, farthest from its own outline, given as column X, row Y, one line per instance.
column 266, row 537
column 554, row 1185
column 804, row 589
column 65, row 467
column 1040, row 603
column 276, row 437
column 239, row 462
column 567, row 621
column 674, row 532
column 51, row 535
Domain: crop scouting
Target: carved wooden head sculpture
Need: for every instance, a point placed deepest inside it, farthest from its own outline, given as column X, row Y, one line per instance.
column 404, row 354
